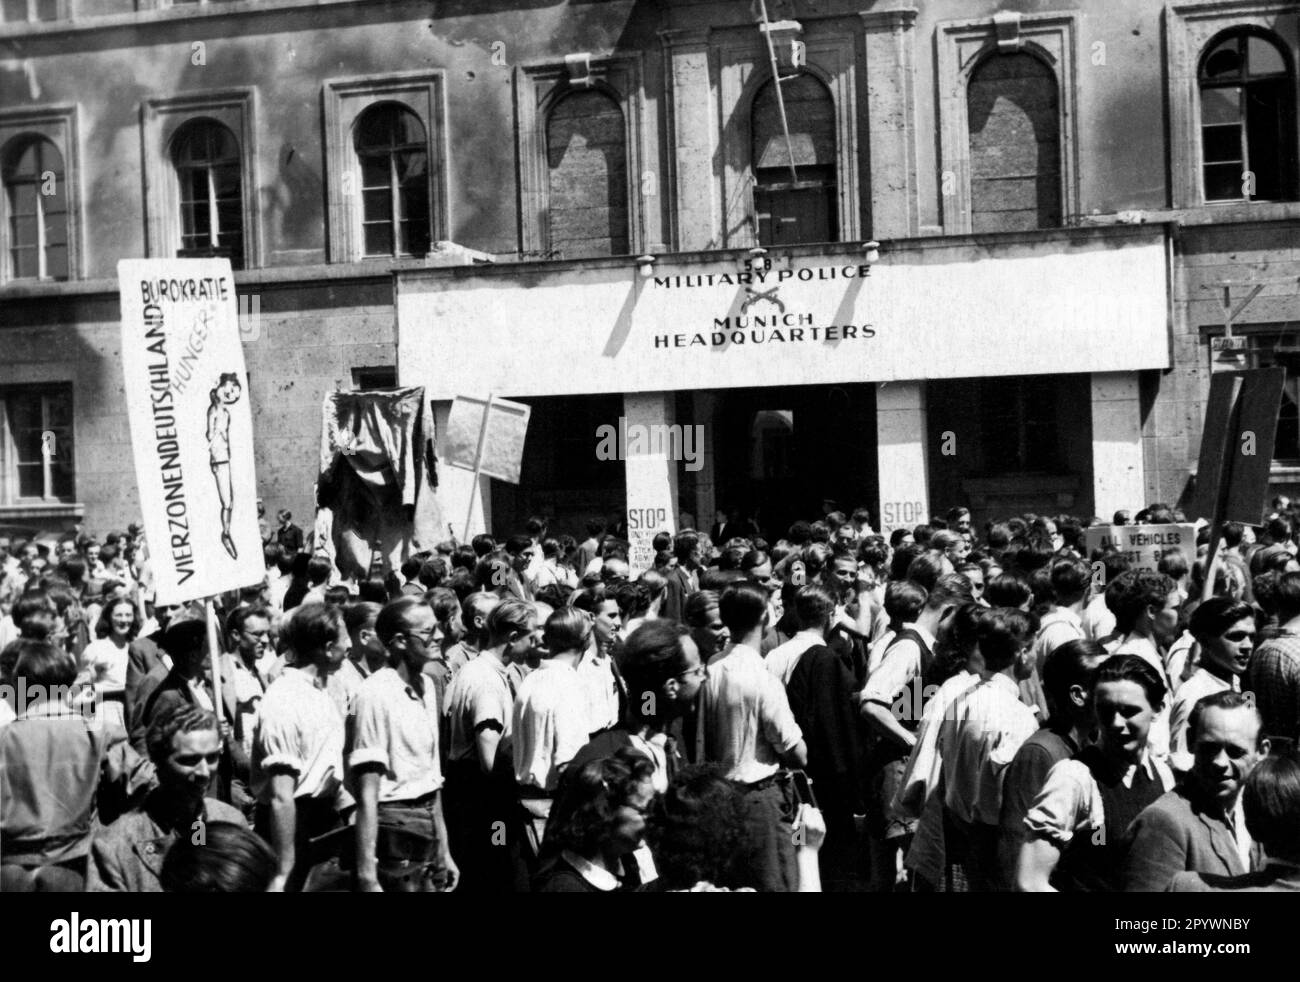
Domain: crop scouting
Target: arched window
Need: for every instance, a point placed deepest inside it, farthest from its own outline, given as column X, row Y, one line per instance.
column 208, row 169
column 393, row 152
column 1013, row 117
column 36, row 203
column 586, row 159
column 795, row 185
column 1248, row 120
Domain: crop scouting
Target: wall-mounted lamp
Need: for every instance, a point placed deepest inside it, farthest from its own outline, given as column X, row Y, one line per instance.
column 871, row 252
column 646, row 265
column 579, row 69
column 756, row 261
column 786, row 44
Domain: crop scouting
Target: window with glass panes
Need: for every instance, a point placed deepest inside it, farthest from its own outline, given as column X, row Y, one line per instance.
column 36, row 206
column 208, row 169
column 18, row 11
column 1248, row 120
column 393, row 153
column 36, row 458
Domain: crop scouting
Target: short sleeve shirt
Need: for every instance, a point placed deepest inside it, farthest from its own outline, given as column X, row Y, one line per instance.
column 550, row 724
column 298, row 728
column 478, row 696
column 899, row 666
column 1071, row 800
column 397, row 728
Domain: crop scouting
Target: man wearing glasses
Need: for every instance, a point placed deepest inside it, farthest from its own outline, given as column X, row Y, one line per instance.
column 401, row 834
column 248, row 633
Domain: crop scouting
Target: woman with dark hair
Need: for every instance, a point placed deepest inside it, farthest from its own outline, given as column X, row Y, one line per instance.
column 104, row 662
column 1008, row 590
column 596, row 824
column 697, row 833
column 1077, row 824
column 227, row 858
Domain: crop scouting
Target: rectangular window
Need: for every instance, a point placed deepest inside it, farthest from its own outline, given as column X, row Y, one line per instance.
column 1018, row 423
column 200, row 150
column 36, row 444
column 20, row 11
column 39, row 235
column 385, row 146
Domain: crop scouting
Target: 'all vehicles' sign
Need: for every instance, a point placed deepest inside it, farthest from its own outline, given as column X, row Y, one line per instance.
column 1143, row 544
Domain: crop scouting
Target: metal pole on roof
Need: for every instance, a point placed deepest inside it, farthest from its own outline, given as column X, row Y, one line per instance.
column 777, row 79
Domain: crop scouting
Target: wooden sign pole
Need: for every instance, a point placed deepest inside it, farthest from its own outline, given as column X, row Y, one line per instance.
column 478, row 466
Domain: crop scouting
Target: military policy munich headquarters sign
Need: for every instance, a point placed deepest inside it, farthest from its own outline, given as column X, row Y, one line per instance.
column 925, row 310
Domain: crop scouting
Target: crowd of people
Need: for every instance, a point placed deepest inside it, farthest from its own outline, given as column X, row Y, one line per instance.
column 828, row 708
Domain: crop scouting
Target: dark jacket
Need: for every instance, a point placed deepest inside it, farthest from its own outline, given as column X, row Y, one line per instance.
column 1271, row 879
column 127, row 856
column 820, row 692
column 1177, row 834
column 142, row 657
column 162, row 689
column 675, row 593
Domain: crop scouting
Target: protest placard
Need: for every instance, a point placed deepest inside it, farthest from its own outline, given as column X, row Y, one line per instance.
column 191, row 426
column 494, row 447
column 1143, row 544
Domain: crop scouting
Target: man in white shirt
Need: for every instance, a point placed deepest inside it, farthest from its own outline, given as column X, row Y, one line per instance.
column 401, row 835
column 248, row 634
column 1098, row 620
column 1225, row 630
column 782, row 660
column 298, row 749
column 597, row 670
column 481, row 795
column 1146, row 622
column 1063, row 621
column 474, row 612
column 747, row 727
column 978, row 738
column 550, row 718
column 893, row 703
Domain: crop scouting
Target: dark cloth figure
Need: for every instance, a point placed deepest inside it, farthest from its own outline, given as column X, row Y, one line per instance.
column 820, row 692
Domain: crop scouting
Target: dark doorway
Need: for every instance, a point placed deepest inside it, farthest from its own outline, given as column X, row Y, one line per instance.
column 778, row 452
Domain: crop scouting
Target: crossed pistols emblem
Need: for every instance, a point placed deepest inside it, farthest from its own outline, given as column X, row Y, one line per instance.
column 756, row 295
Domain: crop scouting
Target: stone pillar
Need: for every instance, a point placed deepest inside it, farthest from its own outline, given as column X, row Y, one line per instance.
column 891, row 121
column 455, row 485
column 704, row 405
column 651, row 445
column 694, row 122
column 902, row 454
column 1118, row 472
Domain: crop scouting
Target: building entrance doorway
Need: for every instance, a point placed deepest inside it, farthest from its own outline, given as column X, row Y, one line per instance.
column 779, row 452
